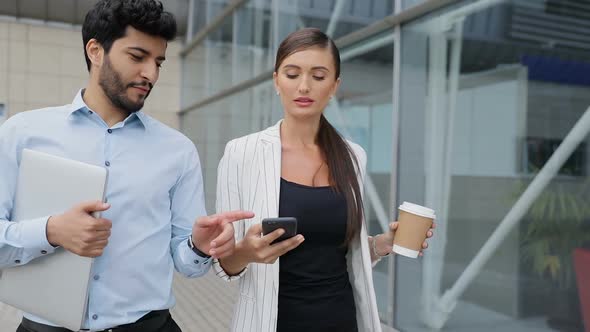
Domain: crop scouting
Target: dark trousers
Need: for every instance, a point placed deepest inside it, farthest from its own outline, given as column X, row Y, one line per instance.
column 155, row 321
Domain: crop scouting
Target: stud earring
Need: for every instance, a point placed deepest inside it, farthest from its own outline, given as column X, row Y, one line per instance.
column 278, row 93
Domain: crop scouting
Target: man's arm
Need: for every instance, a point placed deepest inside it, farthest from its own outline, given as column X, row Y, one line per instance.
column 20, row 242
column 228, row 198
column 187, row 202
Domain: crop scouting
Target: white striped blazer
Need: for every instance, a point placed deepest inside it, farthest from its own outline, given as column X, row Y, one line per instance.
column 249, row 179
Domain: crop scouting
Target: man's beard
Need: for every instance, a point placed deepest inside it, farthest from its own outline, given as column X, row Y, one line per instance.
column 111, row 83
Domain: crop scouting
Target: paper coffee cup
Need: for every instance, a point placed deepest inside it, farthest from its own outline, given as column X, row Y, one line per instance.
column 414, row 221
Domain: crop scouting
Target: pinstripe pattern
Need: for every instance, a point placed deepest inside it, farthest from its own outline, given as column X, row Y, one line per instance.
column 249, row 178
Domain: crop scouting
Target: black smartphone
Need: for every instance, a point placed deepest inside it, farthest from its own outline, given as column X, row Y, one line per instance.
column 289, row 224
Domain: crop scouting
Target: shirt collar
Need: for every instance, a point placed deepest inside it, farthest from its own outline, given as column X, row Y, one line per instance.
column 78, row 105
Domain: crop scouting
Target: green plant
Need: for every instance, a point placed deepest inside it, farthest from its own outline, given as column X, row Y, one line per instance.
column 556, row 225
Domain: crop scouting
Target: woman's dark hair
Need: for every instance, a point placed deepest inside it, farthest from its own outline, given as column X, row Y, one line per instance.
column 108, row 20
column 340, row 158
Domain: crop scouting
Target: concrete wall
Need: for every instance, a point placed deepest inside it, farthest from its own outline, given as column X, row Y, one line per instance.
column 44, row 66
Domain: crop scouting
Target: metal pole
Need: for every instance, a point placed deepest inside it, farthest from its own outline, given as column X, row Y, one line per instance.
column 258, row 62
column 433, row 264
column 367, row 47
column 434, row 155
column 190, row 26
column 395, row 126
column 212, row 25
column 234, row 48
column 338, row 7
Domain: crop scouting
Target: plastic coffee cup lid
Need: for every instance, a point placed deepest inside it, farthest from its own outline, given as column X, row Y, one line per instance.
column 418, row 210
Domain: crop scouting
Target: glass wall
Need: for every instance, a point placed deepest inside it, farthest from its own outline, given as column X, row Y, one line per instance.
column 489, row 90
column 361, row 111
column 213, row 125
column 243, row 48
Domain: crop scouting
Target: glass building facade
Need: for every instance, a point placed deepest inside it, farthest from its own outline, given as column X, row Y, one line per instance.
column 477, row 109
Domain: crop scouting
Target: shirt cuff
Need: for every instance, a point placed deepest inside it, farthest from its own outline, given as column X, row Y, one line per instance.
column 33, row 235
column 189, row 263
column 220, row 272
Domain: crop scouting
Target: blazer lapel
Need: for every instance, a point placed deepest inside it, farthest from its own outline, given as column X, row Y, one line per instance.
column 270, row 163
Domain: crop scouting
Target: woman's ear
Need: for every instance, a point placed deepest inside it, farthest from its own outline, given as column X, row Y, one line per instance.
column 274, row 78
column 335, row 88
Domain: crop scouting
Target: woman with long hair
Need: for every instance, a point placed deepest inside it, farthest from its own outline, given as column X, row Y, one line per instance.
column 302, row 168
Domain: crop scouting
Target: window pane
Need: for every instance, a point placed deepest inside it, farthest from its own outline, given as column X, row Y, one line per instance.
column 486, row 100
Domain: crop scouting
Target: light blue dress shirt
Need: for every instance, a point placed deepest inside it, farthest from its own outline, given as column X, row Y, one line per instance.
column 155, row 189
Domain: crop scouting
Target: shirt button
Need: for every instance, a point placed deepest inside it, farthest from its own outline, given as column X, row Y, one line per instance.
column 95, row 316
column 107, row 163
column 17, row 261
column 196, row 261
column 89, row 112
column 110, row 131
column 43, row 252
column 96, row 277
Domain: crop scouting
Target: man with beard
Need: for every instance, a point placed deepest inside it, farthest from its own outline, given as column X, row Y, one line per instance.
column 155, row 218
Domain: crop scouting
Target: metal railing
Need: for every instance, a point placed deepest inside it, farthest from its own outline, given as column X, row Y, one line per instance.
column 360, row 35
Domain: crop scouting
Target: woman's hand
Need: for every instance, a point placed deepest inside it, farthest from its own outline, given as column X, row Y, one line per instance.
column 384, row 243
column 257, row 248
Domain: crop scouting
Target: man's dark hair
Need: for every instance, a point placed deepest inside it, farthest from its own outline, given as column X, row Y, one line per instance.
column 108, row 20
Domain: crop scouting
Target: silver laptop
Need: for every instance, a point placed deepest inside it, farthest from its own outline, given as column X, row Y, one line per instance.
column 53, row 287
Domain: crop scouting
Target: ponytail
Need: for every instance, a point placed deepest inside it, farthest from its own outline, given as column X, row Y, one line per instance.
column 344, row 167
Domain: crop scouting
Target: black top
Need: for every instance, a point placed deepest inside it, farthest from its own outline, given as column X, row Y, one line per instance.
column 314, row 290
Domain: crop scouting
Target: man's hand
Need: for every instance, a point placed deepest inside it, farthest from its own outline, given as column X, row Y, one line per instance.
column 214, row 235
column 78, row 231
